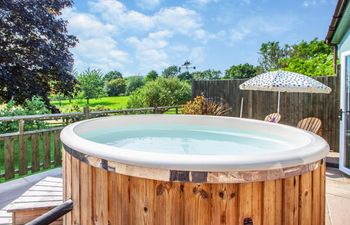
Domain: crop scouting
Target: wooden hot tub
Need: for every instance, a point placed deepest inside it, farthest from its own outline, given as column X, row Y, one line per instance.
column 107, row 190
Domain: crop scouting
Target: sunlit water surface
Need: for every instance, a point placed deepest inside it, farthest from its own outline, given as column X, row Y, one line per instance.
column 183, row 139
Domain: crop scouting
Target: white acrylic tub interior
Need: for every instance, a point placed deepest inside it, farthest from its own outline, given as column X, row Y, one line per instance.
column 201, row 143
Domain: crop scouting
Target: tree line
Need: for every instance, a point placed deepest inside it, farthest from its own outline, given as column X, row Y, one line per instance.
column 313, row 58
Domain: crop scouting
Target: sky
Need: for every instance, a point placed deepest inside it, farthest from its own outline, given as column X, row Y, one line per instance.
column 136, row 36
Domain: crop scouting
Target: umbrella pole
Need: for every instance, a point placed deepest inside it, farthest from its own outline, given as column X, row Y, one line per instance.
column 278, row 103
column 241, row 112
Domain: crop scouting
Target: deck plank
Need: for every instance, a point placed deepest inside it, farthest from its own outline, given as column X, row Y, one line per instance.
column 5, row 217
column 45, row 194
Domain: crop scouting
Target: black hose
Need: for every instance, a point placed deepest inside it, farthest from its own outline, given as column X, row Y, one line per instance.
column 53, row 214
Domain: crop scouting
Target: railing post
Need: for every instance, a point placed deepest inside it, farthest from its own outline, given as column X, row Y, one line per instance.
column 20, row 126
column 22, row 149
column 87, row 112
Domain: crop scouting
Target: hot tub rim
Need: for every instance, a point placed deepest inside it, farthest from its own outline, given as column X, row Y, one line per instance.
column 305, row 155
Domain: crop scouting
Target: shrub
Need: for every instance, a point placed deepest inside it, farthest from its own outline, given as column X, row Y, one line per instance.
column 73, row 107
column 99, row 108
column 161, row 92
column 202, row 106
column 34, row 106
column 133, row 83
column 116, row 87
column 58, row 97
column 207, row 75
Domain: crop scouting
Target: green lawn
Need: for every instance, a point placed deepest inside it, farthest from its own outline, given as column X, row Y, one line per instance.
column 117, row 102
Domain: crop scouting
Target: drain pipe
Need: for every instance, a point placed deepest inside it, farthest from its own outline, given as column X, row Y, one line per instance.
column 335, row 57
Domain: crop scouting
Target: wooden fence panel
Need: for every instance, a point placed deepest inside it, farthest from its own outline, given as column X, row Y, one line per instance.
column 35, row 153
column 46, row 149
column 57, row 148
column 294, row 106
column 9, row 158
column 22, row 155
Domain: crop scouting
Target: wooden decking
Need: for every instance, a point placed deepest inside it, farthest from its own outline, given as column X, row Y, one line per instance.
column 5, row 217
column 37, row 200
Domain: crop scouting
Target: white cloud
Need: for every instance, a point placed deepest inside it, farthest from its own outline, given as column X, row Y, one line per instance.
column 150, row 51
column 101, row 53
column 313, row 3
column 177, row 19
column 204, row 2
column 80, row 23
column 255, row 26
column 114, row 12
column 197, row 55
column 155, row 52
column 96, row 47
column 148, row 4
column 204, row 36
column 148, row 35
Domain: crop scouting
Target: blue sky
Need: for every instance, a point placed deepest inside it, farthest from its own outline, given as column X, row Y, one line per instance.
column 135, row 36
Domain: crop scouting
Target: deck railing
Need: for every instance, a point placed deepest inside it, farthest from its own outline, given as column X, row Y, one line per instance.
column 28, row 151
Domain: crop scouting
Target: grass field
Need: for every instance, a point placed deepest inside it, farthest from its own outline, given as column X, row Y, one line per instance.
column 117, row 102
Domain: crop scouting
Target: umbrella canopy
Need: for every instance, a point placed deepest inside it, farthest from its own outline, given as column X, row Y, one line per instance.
column 284, row 81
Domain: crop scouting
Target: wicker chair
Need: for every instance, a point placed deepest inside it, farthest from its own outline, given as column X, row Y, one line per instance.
column 311, row 124
column 273, row 118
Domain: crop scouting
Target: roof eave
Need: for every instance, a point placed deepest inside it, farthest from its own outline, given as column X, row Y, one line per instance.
column 337, row 16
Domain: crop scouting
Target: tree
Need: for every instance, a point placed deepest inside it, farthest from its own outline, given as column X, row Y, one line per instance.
column 207, row 75
column 112, row 75
column 313, row 58
column 270, row 55
column 241, row 71
column 161, row 92
column 152, row 75
column 91, row 84
column 185, row 76
column 308, row 50
column 34, row 50
column 171, row 71
column 133, row 83
column 116, row 87
column 320, row 65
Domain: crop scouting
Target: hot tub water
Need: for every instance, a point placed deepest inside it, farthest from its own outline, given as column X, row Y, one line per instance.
column 197, row 140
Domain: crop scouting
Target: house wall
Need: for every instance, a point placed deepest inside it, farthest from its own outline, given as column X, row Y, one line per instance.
column 344, row 45
column 342, row 34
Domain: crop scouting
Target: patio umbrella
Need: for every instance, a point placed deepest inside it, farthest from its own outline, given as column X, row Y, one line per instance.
column 284, row 81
